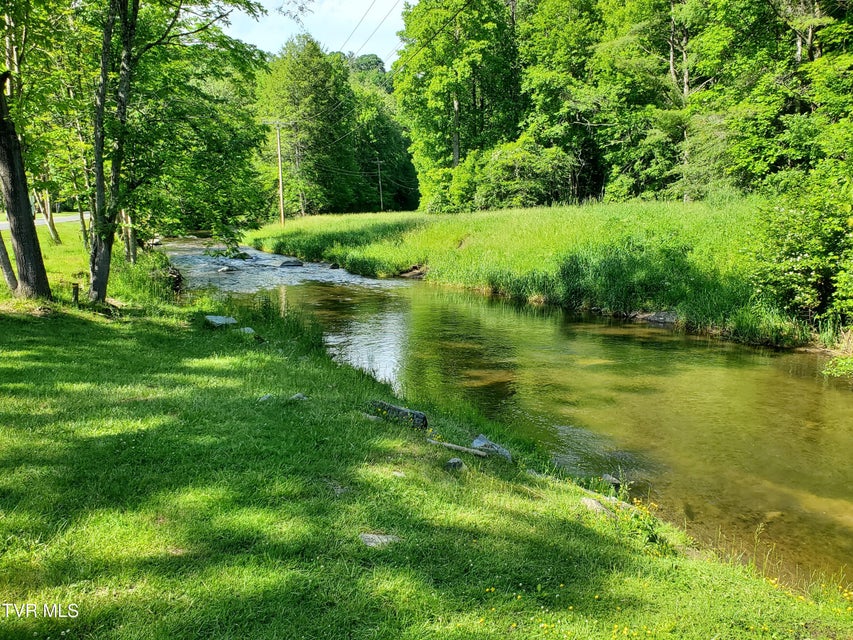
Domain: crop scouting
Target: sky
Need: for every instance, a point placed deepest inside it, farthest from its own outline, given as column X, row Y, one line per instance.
column 330, row 22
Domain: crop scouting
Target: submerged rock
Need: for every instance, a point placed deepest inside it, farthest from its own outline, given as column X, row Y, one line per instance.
column 614, row 482
column 226, row 269
column 291, row 262
column 659, row 317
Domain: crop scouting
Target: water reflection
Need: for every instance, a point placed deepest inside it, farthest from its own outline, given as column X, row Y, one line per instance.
column 730, row 440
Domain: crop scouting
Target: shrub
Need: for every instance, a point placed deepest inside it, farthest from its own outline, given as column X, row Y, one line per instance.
column 525, row 174
column 805, row 258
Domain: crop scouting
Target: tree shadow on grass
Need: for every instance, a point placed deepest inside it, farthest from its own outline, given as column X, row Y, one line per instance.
column 167, row 502
column 164, row 482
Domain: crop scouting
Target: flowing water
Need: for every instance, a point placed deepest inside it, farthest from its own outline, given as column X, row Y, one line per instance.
column 749, row 449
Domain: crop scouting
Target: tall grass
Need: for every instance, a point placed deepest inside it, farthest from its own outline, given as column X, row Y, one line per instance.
column 691, row 259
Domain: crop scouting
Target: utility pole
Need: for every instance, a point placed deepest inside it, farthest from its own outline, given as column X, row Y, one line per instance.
column 277, row 124
column 299, row 177
column 280, row 181
column 379, row 169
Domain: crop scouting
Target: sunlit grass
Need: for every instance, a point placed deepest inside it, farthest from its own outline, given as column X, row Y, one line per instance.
column 692, row 259
column 142, row 480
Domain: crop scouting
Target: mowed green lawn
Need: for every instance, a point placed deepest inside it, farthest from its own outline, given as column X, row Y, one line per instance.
column 144, row 481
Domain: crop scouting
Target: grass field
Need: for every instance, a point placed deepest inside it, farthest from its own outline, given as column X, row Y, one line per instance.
column 692, row 259
column 145, row 483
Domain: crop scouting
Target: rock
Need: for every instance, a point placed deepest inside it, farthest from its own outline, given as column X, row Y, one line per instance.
column 659, row 317
column 416, row 419
column 291, row 262
column 265, row 398
column 596, row 507
column 377, row 540
column 455, row 464
column 241, row 255
column 482, row 443
column 398, row 474
column 334, row 265
column 247, row 330
column 535, row 474
column 614, row 482
column 220, row 321
column 299, row 396
column 226, row 269
column 416, row 272
column 337, row 488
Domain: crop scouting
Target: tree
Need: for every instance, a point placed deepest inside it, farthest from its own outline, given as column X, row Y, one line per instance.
column 457, row 84
column 32, row 276
column 381, row 148
column 191, row 149
column 131, row 30
column 307, row 94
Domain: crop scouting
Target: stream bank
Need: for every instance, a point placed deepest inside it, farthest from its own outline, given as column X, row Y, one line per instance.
column 736, row 444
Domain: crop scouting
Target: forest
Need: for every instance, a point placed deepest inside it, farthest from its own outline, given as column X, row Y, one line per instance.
column 147, row 115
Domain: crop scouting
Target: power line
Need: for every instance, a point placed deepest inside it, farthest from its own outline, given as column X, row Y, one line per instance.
column 341, row 48
column 390, row 75
column 373, row 33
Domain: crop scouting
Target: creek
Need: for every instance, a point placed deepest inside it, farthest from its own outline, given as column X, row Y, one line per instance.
column 748, row 449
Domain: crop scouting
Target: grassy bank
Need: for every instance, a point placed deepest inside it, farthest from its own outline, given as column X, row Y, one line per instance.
column 691, row 259
column 145, row 482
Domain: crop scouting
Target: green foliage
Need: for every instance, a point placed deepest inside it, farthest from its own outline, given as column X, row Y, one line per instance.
column 336, row 120
column 306, row 94
column 191, row 149
column 805, row 253
column 840, row 367
column 515, row 174
column 460, row 93
column 524, row 174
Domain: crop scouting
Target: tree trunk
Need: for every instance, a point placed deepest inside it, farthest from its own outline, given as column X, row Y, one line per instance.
column 685, row 67
column 129, row 236
column 6, row 267
column 672, row 28
column 107, row 205
column 32, row 277
column 455, row 130
column 47, row 211
column 102, row 231
column 99, row 265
